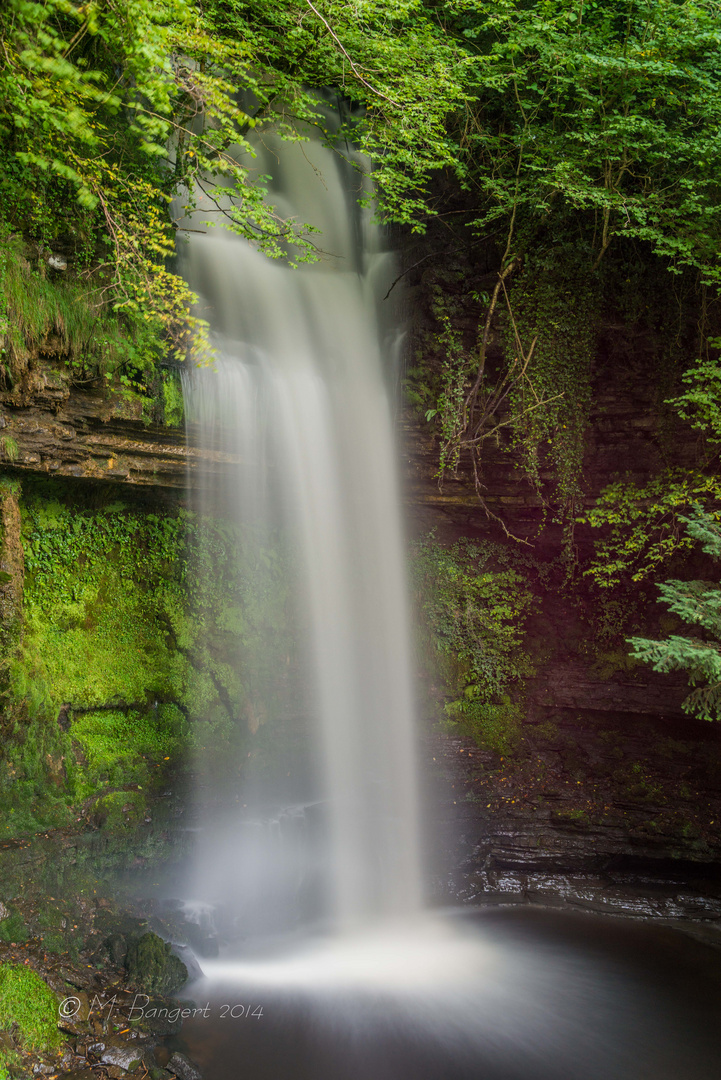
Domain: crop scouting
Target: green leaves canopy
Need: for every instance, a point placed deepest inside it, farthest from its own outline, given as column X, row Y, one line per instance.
column 609, row 112
column 599, row 119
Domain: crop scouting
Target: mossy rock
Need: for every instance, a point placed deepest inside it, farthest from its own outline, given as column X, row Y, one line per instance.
column 153, row 967
column 120, row 810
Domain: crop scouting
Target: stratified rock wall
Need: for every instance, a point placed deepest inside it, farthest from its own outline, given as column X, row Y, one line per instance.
column 58, row 430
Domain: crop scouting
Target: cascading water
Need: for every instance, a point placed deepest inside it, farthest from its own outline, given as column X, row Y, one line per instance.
column 295, row 412
column 297, row 395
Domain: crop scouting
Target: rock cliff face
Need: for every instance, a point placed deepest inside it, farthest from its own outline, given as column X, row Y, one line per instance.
column 615, row 771
column 628, row 436
column 48, row 427
column 615, row 802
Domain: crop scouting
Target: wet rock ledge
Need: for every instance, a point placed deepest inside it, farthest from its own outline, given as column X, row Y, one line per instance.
column 53, row 428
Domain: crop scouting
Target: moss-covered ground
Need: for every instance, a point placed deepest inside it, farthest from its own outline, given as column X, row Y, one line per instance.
column 29, row 1009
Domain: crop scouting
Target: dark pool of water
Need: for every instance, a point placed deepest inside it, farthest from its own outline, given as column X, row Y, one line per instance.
column 510, row 994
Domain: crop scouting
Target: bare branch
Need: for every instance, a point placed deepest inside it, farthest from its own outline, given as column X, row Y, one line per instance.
column 355, row 70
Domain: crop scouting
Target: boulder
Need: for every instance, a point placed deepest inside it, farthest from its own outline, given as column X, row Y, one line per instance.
column 152, row 966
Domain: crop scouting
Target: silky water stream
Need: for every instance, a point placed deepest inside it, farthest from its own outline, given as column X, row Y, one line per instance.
column 330, row 967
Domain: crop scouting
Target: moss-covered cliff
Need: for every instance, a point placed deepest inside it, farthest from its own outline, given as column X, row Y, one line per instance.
column 124, row 645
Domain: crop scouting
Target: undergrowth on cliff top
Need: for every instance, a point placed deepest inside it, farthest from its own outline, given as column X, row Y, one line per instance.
column 473, row 600
column 67, row 321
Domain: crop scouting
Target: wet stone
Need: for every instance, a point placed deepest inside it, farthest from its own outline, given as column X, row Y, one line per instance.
column 119, row 1053
column 183, row 1068
column 153, row 967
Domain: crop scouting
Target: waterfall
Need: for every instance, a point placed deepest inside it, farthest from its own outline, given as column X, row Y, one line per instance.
column 297, row 397
column 295, row 420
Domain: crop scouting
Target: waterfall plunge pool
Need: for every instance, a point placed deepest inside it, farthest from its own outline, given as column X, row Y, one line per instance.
column 495, row 994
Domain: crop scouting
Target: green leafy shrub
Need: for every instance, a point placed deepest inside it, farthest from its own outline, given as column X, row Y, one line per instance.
column 643, row 527
column 700, row 404
column 474, row 599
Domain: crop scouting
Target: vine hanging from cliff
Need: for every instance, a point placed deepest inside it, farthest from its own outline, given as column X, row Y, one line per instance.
column 557, row 308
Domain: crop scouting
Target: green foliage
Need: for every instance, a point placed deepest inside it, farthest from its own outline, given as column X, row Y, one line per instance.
column 27, row 1001
column 588, row 143
column 393, row 57
column 108, row 112
column 643, row 526
column 701, row 403
column 474, row 599
column 698, row 603
column 449, row 406
column 173, row 407
column 603, row 113
column 560, row 118
column 67, row 319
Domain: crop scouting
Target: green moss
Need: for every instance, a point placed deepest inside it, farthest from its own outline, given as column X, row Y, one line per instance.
column 122, row 747
column 27, row 1001
column 173, row 405
column 152, row 967
column 494, row 727
column 13, row 928
column 149, row 636
column 548, row 731
column 120, row 809
column 575, row 814
column 610, row 662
